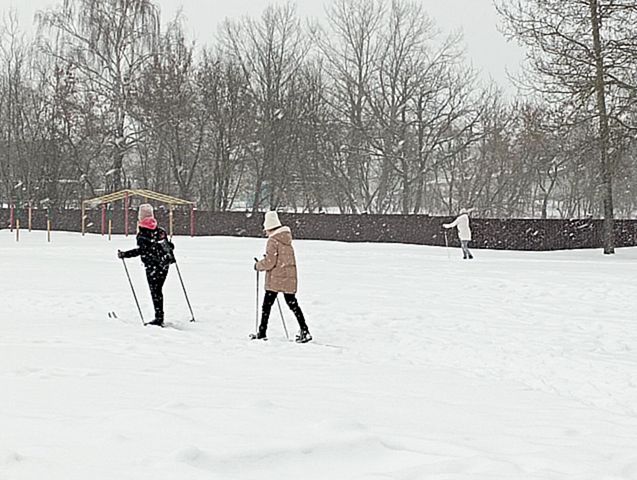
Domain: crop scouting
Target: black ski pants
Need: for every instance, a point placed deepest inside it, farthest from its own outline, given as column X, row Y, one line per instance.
column 290, row 299
column 156, row 277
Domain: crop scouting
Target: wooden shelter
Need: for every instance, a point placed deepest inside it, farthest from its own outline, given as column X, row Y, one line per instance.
column 146, row 195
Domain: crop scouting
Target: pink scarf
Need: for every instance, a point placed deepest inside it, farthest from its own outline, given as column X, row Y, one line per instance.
column 149, row 222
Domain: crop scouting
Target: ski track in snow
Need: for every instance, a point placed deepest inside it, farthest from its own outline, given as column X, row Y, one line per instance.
column 512, row 366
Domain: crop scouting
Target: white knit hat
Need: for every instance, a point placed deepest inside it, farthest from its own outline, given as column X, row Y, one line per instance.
column 145, row 211
column 271, row 221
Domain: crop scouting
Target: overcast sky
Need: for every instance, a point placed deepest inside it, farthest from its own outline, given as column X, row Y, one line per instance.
column 486, row 47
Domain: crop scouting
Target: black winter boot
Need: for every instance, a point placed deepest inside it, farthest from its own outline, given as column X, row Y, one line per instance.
column 260, row 335
column 303, row 336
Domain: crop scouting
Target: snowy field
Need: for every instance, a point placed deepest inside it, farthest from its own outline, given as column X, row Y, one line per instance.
column 512, row 366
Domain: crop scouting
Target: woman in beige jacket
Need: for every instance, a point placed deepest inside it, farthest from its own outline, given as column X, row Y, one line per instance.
column 280, row 277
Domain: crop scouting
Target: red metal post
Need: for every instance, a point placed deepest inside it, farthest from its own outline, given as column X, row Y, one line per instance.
column 83, row 218
column 171, row 220
column 103, row 219
column 192, row 220
column 126, row 214
column 48, row 224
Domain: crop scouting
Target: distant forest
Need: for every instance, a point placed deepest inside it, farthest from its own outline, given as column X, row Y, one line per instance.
column 373, row 111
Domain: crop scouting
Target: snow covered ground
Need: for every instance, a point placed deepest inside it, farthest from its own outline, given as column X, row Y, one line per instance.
column 513, row 366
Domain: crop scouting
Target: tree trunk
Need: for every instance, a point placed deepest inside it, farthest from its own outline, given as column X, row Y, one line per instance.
column 607, row 170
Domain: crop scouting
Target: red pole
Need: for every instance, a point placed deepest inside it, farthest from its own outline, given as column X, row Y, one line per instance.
column 171, row 217
column 126, row 214
column 192, row 220
column 103, row 219
column 12, row 217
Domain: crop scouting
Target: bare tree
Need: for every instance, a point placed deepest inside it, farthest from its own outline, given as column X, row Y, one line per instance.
column 108, row 44
column 230, row 130
column 170, row 113
column 384, row 116
column 581, row 54
column 14, row 165
column 271, row 52
column 351, row 49
column 400, row 76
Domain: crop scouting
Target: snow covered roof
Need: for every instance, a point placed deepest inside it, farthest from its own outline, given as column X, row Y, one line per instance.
column 146, row 194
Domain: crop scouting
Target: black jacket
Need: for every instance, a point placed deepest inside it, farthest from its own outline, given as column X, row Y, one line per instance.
column 154, row 248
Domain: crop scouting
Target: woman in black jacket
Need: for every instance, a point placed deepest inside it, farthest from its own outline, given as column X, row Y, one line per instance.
column 156, row 253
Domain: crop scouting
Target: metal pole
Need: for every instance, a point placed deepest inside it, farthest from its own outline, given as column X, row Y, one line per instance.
column 192, row 220
column 83, row 219
column 126, row 214
column 185, row 293
column 282, row 318
column 109, row 214
column 256, row 320
column 103, row 219
column 48, row 224
column 447, row 245
column 170, row 216
column 133, row 290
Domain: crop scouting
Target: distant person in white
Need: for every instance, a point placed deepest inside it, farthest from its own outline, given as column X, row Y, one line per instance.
column 464, row 232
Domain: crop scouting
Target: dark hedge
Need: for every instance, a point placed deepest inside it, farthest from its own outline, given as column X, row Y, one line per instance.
column 509, row 234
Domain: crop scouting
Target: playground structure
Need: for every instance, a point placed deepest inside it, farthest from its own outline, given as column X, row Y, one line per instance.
column 106, row 203
column 15, row 214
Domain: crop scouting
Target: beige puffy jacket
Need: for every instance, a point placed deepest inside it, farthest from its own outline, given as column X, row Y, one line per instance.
column 279, row 262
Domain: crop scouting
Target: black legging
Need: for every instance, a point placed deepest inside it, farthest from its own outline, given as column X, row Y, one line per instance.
column 156, row 277
column 290, row 299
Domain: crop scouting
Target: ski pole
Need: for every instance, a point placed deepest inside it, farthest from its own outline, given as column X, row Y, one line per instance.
column 185, row 293
column 447, row 245
column 133, row 290
column 282, row 318
column 256, row 320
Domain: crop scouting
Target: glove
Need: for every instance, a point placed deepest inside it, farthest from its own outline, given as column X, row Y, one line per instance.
column 120, row 254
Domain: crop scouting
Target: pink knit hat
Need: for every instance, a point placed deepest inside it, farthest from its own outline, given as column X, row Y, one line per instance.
column 145, row 211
